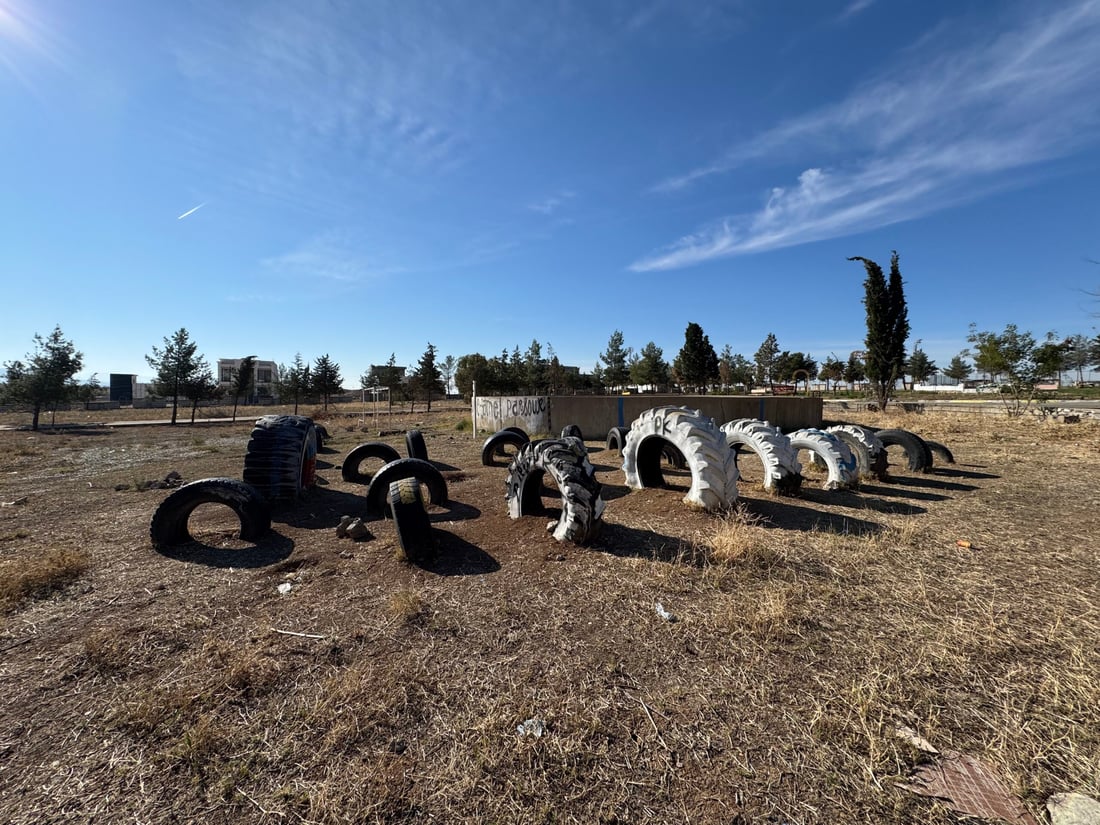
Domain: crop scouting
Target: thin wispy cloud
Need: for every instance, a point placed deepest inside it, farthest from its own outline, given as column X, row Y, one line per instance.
column 333, row 256
column 550, row 205
column 856, row 7
column 944, row 127
column 191, row 211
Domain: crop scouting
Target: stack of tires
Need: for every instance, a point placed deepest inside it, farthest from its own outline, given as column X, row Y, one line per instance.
column 281, row 458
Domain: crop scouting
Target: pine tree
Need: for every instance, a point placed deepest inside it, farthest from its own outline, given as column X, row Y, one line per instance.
column 958, row 369
column 175, row 365
column 615, row 372
column 46, row 378
column 650, row 368
column 242, row 381
column 202, row 386
column 427, row 378
column 326, row 380
column 697, row 362
column 296, row 381
column 765, row 359
column 887, row 328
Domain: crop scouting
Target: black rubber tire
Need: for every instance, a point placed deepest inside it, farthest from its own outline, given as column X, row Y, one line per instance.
column 940, row 451
column 416, row 468
column 281, row 457
column 410, row 520
column 566, row 460
column 169, row 525
column 518, row 430
column 415, row 446
column 494, row 445
column 616, row 438
column 350, row 471
column 322, row 435
column 917, row 454
column 572, row 431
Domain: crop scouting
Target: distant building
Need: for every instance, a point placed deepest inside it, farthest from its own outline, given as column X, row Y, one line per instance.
column 263, row 376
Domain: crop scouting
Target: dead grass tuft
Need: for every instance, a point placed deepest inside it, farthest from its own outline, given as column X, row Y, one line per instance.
column 39, row 577
column 407, row 606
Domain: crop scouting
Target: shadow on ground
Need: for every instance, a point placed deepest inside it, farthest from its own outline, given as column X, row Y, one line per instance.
column 273, row 548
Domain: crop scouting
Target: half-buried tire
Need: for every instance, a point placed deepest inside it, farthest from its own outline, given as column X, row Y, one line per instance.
column 281, row 457
column 415, row 468
column 616, row 438
column 571, row 431
column 869, row 451
column 494, row 445
column 782, row 470
column 917, row 454
column 699, row 441
column 352, row 472
column 566, row 461
column 410, row 520
column 169, row 525
column 940, row 451
column 414, row 444
column 838, row 458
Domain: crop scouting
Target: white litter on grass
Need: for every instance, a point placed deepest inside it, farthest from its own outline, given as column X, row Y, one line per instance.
column 285, row 588
column 664, row 614
column 532, row 727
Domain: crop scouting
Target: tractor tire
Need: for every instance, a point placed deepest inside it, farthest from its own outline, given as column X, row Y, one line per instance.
column 281, row 457
column 835, row 453
column 410, row 520
column 416, row 468
column 616, row 438
column 169, row 525
column 782, row 471
column 351, row 472
column 917, row 453
column 414, row 444
column 572, row 431
column 322, row 435
column 566, row 460
column 699, row 441
column 518, row 431
column 494, row 445
column 865, row 446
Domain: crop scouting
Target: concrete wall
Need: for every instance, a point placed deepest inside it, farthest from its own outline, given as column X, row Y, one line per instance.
column 531, row 412
column 597, row 414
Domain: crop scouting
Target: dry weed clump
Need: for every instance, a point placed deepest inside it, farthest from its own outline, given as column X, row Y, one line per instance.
column 740, row 538
column 40, row 576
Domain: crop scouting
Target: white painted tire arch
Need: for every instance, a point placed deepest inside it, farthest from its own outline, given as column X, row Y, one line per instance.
column 869, row 451
column 835, row 453
column 782, row 471
column 699, row 440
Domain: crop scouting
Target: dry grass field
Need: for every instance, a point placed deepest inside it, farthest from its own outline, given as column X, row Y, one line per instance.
column 143, row 687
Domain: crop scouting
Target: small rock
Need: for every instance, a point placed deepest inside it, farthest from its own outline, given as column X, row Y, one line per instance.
column 284, row 588
column 358, row 531
column 342, row 527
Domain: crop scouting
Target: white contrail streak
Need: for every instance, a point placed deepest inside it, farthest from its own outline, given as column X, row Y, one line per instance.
column 191, row 211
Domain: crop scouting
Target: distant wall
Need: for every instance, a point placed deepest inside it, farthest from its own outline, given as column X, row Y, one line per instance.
column 531, row 412
column 597, row 414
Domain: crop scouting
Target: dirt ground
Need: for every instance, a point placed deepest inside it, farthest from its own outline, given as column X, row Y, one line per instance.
column 184, row 686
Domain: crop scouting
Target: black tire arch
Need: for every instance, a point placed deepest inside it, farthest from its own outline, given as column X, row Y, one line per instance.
column 416, row 468
column 169, row 524
column 350, row 470
column 494, row 445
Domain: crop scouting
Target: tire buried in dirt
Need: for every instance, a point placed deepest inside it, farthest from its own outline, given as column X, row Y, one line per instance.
column 410, row 520
column 494, row 445
column 169, row 524
column 616, row 438
column 566, row 461
column 351, row 472
column 281, row 457
column 835, row 453
column 940, row 451
column 869, row 451
column 415, row 446
column 699, row 441
column 782, row 470
column 416, row 468
column 917, row 454
column 571, row 431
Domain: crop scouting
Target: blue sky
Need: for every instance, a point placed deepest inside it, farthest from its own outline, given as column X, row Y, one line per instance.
column 359, row 178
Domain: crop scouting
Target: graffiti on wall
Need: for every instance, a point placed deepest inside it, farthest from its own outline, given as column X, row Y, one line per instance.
column 531, row 412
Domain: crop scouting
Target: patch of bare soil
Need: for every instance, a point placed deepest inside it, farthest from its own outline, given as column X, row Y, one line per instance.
column 185, row 686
